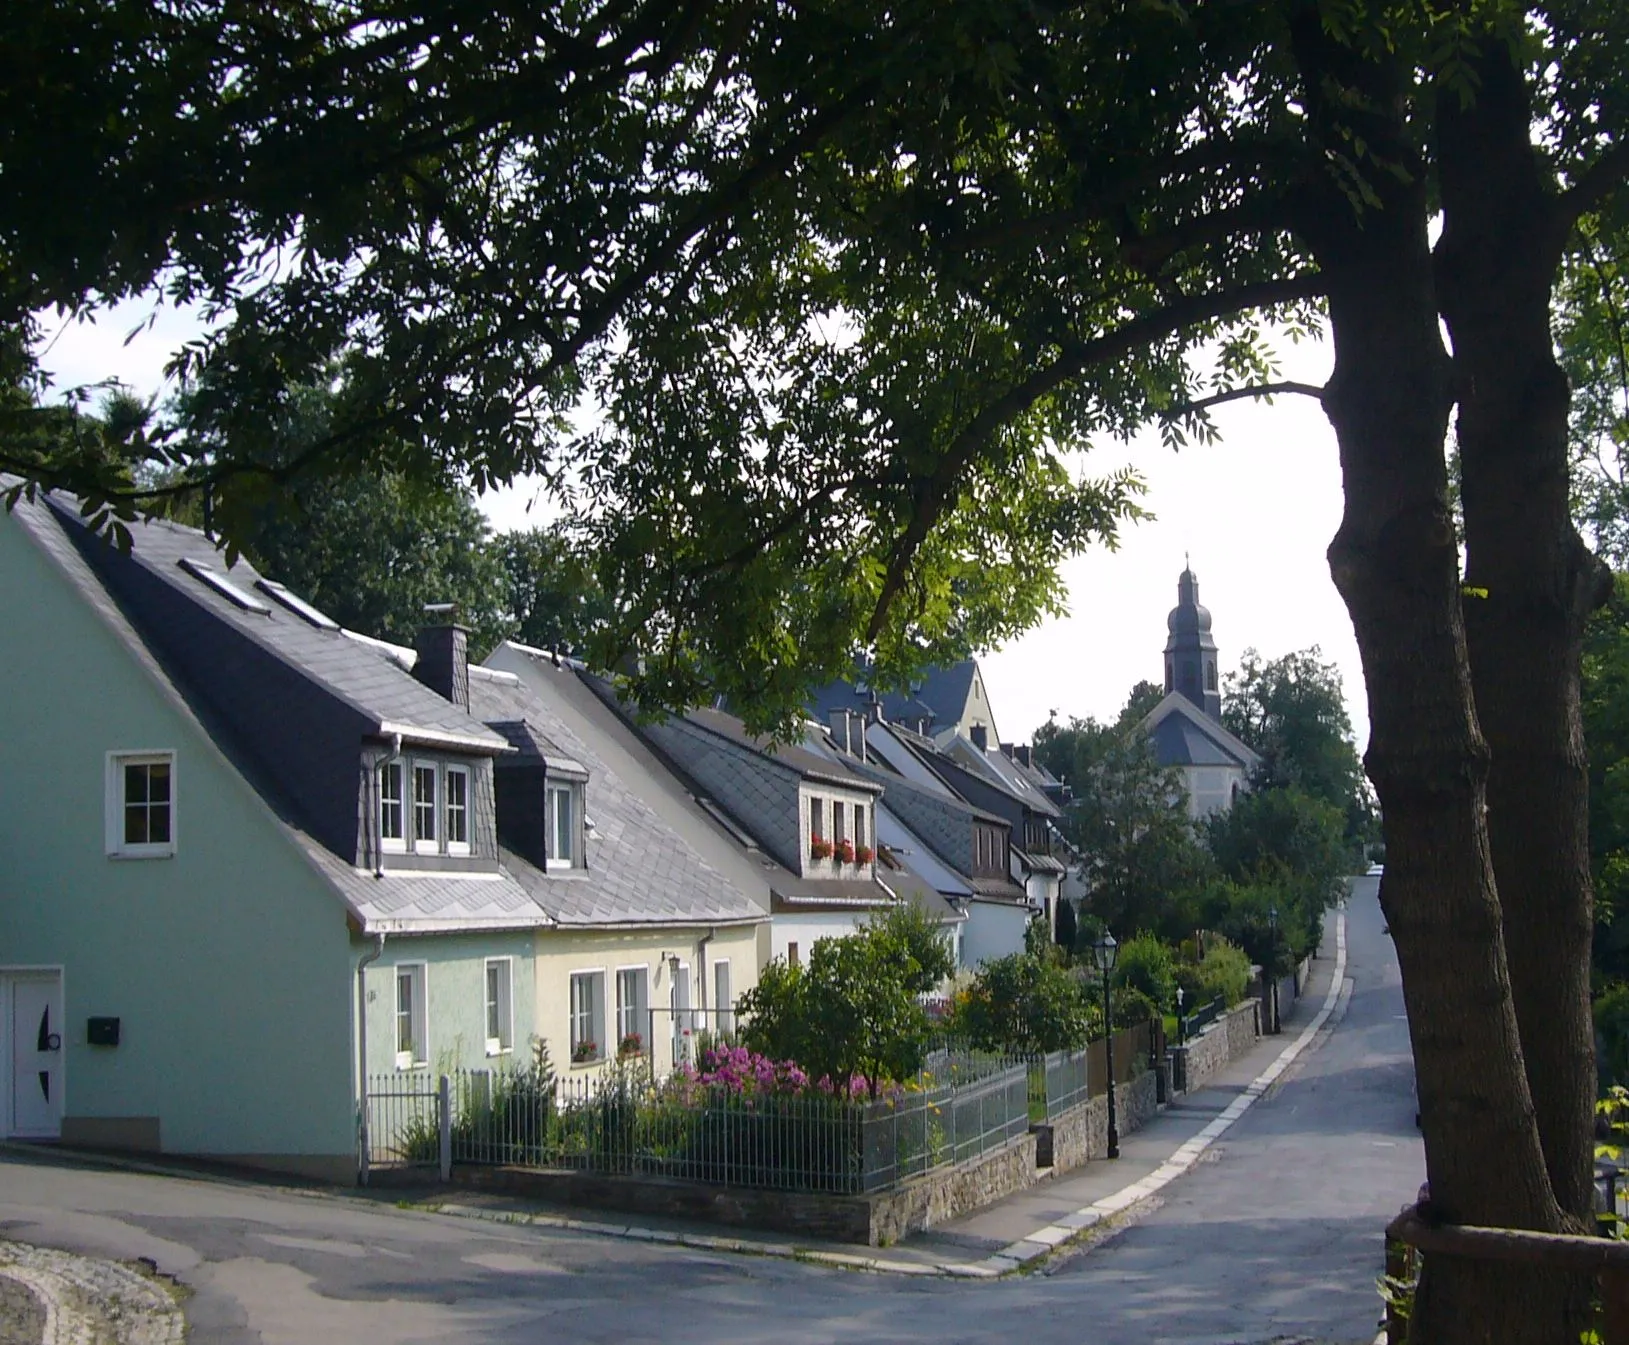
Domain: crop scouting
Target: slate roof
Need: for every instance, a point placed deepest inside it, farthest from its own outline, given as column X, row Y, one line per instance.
column 640, row 871
column 343, row 668
column 399, row 901
column 997, row 768
column 940, row 696
column 1184, row 735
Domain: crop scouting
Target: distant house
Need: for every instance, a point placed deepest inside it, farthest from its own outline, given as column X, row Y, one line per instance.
column 806, row 821
column 249, row 858
column 1185, row 728
column 952, row 698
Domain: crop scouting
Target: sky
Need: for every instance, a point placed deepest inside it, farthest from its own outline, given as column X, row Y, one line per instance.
column 1252, row 513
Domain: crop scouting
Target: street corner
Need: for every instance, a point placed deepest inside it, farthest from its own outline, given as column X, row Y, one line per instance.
column 58, row 1298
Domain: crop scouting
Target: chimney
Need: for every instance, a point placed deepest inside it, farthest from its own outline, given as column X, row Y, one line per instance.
column 1022, row 755
column 873, row 709
column 443, row 649
column 980, row 736
column 1006, row 750
column 840, row 730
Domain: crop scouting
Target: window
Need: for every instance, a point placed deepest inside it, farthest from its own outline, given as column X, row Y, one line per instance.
column 562, row 820
column 791, row 954
column 817, row 822
column 859, row 827
column 390, row 807
column 457, row 790
column 587, row 1016
column 633, row 1010
column 723, row 1000
column 424, row 805
column 412, row 1024
column 1210, row 676
column 838, row 831
column 140, row 804
column 500, row 1013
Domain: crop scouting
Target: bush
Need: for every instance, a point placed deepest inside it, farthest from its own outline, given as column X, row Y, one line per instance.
column 1145, row 964
column 1611, row 1012
column 1021, row 1003
column 1132, row 1006
column 1225, row 972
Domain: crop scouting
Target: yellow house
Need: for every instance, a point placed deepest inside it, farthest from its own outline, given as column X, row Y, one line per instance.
column 657, row 922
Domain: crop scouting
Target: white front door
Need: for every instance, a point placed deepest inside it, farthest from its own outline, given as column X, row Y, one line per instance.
column 33, row 1004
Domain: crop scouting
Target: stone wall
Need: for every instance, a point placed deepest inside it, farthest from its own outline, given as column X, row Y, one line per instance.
column 1229, row 1037
column 944, row 1194
column 1082, row 1133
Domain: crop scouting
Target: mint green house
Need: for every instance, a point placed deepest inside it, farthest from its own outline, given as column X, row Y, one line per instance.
column 251, row 859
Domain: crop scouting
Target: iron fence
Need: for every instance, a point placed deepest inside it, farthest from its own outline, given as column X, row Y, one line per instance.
column 1202, row 1017
column 403, row 1119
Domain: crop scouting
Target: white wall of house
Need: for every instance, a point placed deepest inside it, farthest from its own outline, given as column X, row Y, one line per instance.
column 803, row 929
column 993, row 929
column 1211, row 788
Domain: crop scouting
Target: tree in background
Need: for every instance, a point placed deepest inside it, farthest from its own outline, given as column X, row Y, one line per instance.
column 1292, row 711
column 552, row 600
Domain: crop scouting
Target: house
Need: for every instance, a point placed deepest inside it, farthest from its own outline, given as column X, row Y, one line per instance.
column 1185, row 728
column 250, row 858
column 952, row 698
column 807, row 823
column 965, row 851
column 654, row 932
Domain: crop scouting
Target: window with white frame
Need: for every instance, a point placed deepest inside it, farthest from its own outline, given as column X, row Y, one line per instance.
column 678, row 999
column 500, row 1012
column 563, row 818
column 391, row 832
column 723, row 999
column 633, row 1010
column 424, row 805
column 587, row 1016
column 817, row 822
column 839, row 832
column 412, row 1017
column 859, row 827
column 140, row 804
column 456, row 791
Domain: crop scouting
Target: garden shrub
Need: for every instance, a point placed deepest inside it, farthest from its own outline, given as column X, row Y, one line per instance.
column 1024, row 1002
column 1145, row 964
column 1224, row 972
column 1132, row 1007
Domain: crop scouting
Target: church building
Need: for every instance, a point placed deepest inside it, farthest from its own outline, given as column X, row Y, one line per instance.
column 1186, row 727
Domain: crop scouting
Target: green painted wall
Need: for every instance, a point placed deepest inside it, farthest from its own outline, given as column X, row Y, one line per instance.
column 229, row 964
column 455, row 974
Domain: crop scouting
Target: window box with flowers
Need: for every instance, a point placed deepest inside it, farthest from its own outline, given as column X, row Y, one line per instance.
column 819, row 849
column 864, row 855
column 843, row 852
column 585, row 1052
column 632, row 1044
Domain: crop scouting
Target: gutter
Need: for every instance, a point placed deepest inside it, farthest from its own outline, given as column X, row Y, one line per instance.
column 363, row 1137
column 395, row 754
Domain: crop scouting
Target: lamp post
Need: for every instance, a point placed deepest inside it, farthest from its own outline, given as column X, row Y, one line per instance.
column 1104, row 950
column 1272, row 960
column 1181, row 1022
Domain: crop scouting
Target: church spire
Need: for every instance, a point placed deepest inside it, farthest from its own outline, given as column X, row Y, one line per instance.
column 1190, row 652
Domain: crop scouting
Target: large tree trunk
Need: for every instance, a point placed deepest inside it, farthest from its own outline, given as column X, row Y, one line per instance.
column 1395, row 562
column 1530, row 583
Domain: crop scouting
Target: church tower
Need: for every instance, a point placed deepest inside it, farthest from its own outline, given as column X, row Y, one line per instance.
column 1190, row 652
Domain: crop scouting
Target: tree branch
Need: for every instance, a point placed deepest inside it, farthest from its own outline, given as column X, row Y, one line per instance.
column 1239, row 394
column 1599, row 180
column 933, row 493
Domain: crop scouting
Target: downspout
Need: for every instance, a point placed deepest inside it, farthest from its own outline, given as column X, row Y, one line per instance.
column 701, row 970
column 362, row 964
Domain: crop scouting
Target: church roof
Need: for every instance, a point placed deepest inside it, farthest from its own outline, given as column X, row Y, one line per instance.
column 1184, row 735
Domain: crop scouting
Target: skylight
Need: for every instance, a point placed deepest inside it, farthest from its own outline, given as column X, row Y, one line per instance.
column 228, row 590
column 296, row 604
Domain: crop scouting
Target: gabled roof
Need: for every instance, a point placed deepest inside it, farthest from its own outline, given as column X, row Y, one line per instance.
column 410, row 902
column 640, row 870
column 997, row 768
column 332, row 664
column 940, row 696
column 1184, row 735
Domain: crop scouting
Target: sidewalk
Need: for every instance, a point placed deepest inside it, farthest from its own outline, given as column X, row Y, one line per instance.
column 1027, row 1227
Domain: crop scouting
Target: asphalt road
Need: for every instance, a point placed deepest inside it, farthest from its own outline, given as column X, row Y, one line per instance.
column 1277, row 1238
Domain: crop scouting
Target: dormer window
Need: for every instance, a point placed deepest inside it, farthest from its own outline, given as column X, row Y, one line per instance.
column 457, row 807
column 424, row 805
column 563, row 821
column 391, row 831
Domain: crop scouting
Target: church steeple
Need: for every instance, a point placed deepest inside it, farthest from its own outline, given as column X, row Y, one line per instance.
column 1190, row 652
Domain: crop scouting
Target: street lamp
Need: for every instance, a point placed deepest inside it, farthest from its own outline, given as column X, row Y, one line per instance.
column 1181, row 1023
column 1272, row 961
column 1104, row 951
